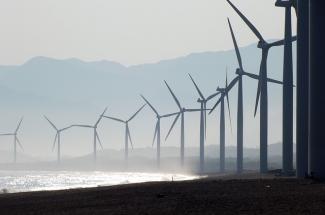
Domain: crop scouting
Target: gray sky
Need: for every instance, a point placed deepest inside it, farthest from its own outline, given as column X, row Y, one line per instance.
column 127, row 31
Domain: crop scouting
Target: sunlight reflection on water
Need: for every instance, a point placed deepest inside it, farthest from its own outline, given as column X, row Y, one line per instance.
column 20, row 181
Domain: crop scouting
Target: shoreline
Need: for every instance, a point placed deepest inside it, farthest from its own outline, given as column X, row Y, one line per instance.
column 225, row 195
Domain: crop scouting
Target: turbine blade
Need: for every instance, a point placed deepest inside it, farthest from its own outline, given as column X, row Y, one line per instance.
column 259, row 86
column 254, row 76
column 53, row 146
column 236, row 46
column 115, row 119
column 205, row 119
column 155, row 134
column 216, row 104
column 19, row 143
column 19, row 125
column 212, row 96
column 257, row 97
column 51, row 123
column 274, row 81
column 232, row 84
column 227, row 97
column 137, row 112
column 248, row 23
column 6, row 134
column 197, row 88
column 172, row 126
column 65, row 128
column 83, row 126
column 226, row 78
column 101, row 116
column 281, row 42
column 100, row 142
column 192, row 110
column 170, row 114
column 154, row 110
column 175, row 98
column 129, row 136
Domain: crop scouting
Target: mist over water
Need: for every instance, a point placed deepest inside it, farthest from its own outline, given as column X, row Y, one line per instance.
column 23, row 181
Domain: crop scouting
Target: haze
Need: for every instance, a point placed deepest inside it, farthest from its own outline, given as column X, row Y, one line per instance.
column 127, row 31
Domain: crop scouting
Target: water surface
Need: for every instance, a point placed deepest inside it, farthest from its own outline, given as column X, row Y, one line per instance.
column 21, row 181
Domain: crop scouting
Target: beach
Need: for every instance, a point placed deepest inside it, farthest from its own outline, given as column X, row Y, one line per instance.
column 223, row 195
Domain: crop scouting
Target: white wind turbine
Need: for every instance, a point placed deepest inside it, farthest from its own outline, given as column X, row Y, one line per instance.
column 156, row 136
column 127, row 131
column 94, row 127
column 16, row 140
column 181, row 114
column 57, row 138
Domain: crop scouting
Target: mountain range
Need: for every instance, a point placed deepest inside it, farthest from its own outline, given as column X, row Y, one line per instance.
column 76, row 91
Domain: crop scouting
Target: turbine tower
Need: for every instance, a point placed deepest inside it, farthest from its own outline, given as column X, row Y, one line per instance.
column 316, row 88
column 262, row 91
column 240, row 108
column 16, row 140
column 181, row 114
column 203, row 101
column 221, row 101
column 302, row 88
column 96, row 137
column 287, row 104
column 57, row 138
column 127, row 131
column 156, row 136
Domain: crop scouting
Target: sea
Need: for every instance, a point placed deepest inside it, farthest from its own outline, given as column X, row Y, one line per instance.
column 25, row 181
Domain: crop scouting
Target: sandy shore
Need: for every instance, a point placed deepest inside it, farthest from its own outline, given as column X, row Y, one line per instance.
column 204, row 196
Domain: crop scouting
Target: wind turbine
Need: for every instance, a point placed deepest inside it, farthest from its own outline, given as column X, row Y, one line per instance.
column 262, row 92
column 221, row 101
column 157, row 128
column 96, row 137
column 181, row 114
column 16, row 140
column 203, row 101
column 57, row 137
column 287, row 104
column 127, row 131
column 240, row 128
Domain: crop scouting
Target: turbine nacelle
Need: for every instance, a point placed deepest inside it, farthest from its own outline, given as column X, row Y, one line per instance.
column 260, row 44
column 284, row 3
column 200, row 100
column 239, row 71
column 221, row 90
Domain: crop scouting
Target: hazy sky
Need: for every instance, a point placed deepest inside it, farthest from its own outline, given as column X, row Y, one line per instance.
column 127, row 31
